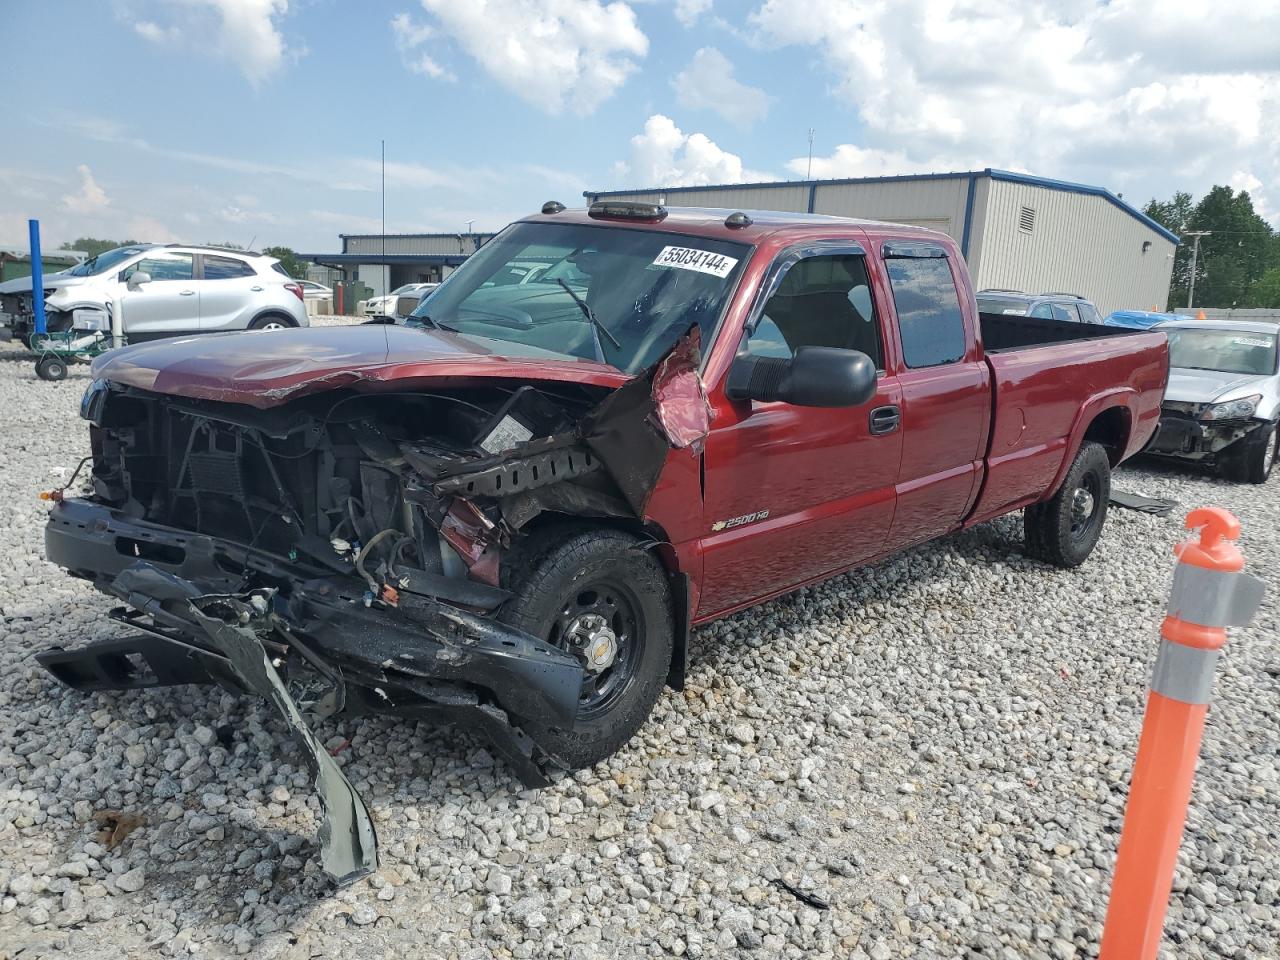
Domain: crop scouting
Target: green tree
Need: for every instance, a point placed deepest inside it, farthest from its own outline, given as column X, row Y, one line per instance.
column 1240, row 249
column 1265, row 291
column 289, row 260
column 93, row 246
column 1237, row 251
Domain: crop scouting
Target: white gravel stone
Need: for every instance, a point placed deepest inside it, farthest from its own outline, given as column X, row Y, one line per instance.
column 1005, row 694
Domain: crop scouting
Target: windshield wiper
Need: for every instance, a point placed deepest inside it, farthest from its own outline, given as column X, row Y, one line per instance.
column 436, row 324
column 597, row 327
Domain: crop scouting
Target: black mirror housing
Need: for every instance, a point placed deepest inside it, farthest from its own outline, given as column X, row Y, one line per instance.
column 813, row 377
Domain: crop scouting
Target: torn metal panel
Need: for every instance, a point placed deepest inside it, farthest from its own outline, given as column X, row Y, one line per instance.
column 681, row 399
column 348, row 843
column 473, row 536
column 622, row 433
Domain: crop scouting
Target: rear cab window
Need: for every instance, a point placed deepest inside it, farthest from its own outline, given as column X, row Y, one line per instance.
column 930, row 319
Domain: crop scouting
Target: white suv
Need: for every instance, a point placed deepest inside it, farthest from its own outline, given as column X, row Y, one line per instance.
column 189, row 289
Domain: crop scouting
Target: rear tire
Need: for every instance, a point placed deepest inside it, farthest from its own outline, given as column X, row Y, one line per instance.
column 1065, row 528
column 51, row 368
column 568, row 585
column 272, row 321
column 1256, row 455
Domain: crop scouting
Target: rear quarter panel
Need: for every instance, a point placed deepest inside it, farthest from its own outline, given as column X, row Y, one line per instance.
column 1047, row 397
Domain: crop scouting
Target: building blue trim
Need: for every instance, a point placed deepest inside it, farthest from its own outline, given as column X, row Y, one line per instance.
column 1070, row 187
column 1006, row 175
column 813, row 195
column 968, row 215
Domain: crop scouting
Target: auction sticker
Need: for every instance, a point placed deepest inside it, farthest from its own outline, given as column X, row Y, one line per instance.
column 703, row 261
column 1253, row 341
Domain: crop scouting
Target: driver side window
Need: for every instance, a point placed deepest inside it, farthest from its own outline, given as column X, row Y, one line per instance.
column 823, row 301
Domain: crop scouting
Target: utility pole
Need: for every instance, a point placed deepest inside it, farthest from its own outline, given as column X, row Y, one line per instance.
column 386, row 267
column 1195, row 255
column 808, row 171
column 469, row 223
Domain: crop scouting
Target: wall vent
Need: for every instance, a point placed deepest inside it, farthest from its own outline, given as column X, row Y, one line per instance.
column 1027, row 219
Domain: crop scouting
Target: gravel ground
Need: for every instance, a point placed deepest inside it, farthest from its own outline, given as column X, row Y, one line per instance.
column 938, row 747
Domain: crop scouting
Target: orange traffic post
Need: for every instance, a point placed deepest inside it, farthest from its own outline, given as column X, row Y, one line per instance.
column 1210, row 593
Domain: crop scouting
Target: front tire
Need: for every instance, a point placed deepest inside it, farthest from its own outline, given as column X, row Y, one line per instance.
column 1065, row 528
column 603, row 597
column 1256, row 456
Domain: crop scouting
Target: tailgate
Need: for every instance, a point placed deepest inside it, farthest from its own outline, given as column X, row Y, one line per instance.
column 1047, row 396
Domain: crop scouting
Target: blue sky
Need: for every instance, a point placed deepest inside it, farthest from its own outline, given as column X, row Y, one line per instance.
column 240, row 120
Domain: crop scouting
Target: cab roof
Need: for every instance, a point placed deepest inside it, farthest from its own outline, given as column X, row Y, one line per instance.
column 710, row 222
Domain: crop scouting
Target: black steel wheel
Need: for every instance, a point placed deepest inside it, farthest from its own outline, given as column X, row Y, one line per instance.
column 601, row 596
column 1065, row 528
column 602, row 624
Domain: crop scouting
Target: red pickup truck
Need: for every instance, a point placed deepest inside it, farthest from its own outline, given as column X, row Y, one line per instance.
column 608, row 426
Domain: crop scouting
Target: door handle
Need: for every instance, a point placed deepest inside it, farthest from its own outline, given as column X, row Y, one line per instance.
column 256, row 289
column 187, row 293
column 884, row 419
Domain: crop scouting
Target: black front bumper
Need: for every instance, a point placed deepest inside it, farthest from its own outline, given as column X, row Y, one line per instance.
column 1181, row 436
column 426, row 658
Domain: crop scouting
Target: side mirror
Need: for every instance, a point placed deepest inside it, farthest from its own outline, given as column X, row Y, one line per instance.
column 814, row 377
column 137, row 279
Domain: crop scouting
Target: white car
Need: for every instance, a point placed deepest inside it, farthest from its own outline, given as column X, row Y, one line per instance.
column 164, row 290
column 387, row 306
column 315, row 291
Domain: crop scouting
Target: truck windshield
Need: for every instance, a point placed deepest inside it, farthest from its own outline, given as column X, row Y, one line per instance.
column 1228, row 351
column 615, row 294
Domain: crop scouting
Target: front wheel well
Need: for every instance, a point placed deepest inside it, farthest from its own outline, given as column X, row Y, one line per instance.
column 1110, row 430
column 542, row 531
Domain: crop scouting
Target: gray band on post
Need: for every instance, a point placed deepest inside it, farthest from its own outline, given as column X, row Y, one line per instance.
column 1212, row 598
column 1184, row 673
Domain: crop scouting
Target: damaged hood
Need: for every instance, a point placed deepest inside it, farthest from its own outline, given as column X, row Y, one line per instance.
column 269, row 367
column 23, row 284
column 1208, row 386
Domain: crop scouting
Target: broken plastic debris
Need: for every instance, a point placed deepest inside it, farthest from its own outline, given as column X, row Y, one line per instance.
column 348, row 844
column 115, row 825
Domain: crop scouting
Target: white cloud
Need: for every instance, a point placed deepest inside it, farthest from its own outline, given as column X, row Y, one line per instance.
column 688, row 11
column 664, row 155
column 708, row 83
column 150, row 229
column 849, row 160
column 551, row 53
column 409, row 36
column 402, row 174
column 245, row 32
column 91, row 199
column 1138, row 99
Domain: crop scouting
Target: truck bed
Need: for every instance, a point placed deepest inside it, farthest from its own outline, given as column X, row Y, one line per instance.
column 1050, row 379
column 1002, row 332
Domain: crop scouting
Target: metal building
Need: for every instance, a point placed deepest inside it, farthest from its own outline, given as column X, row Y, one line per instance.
column 1016, row 231
column 386, row 261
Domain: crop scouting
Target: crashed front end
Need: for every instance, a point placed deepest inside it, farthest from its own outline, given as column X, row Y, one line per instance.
column 1186, row 433
column 343, row 552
